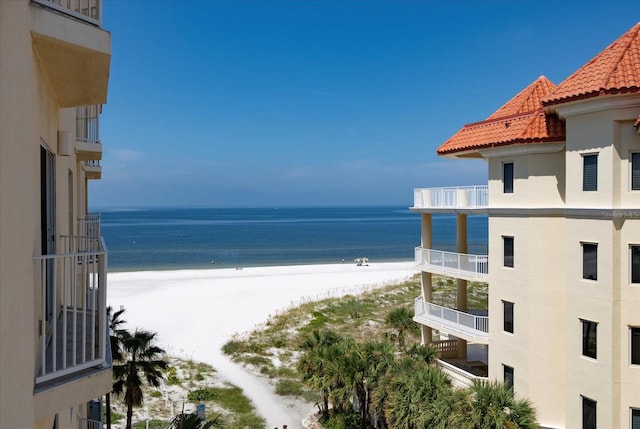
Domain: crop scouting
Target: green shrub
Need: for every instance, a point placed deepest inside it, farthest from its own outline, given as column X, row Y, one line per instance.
column 156, row 394
column 172, row 376
column 286, row 387
column 203, row 395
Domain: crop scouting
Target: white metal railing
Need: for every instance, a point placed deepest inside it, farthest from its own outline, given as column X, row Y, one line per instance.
column 73, row 317
column 89, row 226
column 87, row 123
column 473, row 326
column 90, row 424
column 458, row 376
column 86, row 10
column 453, row 264
column 468, row 197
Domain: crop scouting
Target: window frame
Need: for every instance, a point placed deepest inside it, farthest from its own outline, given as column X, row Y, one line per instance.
column 589, row 401
column 507, row 186
column 584, row 265
column 509, row 381
column 634, row 275
column 508, row 326
column 633, row 410
column 589, row 338
column 634, row 358
column 633, row 155
column 505, row 261
column 587, row 185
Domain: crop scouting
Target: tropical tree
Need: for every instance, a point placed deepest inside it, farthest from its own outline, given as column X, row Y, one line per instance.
column 116, row 338
column 320, row 351
column 495, row 407
column 401, row 320
column 141, row 360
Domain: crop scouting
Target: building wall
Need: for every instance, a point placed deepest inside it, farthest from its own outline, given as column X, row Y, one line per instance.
column 614, row 224
column 31, row 117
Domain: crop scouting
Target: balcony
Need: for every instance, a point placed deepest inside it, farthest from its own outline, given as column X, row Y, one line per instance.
column 89, row 226
column 93, row 170
column 88, row 146
column 73, row 321
column 467, row 326
column 465, row 198
column 73, row 49
column 462, row 377
column 90, row 424
column 458, row 265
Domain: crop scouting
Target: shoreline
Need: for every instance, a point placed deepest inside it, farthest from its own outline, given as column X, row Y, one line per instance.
column 195, row 312
column 221, row 266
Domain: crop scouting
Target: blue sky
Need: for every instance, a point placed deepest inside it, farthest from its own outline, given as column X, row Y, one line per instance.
column 320, row 103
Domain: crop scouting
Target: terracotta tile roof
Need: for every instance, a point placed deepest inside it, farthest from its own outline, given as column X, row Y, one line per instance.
column 615, row 70
column 521, row 120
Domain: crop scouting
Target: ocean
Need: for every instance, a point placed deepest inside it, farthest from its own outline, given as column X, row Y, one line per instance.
column 200, row 238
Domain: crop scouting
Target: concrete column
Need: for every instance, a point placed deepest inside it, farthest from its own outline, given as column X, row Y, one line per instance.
column 461, row 285
column 426, row 278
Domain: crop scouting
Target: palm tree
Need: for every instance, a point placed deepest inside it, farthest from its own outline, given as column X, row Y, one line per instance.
column 495, row 406
column 401, row 319
column 116, row 338
column 141, row 360
column 320, row 350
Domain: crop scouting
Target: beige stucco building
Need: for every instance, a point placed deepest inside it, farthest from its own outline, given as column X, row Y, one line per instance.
column 563, row 263
column 54, row 351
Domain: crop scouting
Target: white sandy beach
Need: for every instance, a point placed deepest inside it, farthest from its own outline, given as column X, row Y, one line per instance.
column 195, row 312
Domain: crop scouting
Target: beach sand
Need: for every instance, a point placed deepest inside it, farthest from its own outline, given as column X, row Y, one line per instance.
column 195, row 312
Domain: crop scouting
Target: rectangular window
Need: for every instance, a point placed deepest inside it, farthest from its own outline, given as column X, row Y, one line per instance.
column 508, row 376
column 635, row 418
column 590, row 172
column 507, row 177
column 508, row 251
column 589, row 339
column 590, row 261
column 588, row 413
column 635, row 264
column 508, row 316
column 635, row 345
column 635, row 171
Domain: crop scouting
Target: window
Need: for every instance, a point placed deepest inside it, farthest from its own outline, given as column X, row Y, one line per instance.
column 508, row 376
column 508, row 251
column 635, row 264
column 635, row 418
column 635, row 345
column 590, row 261
column 635, row 171
column 589, row 339
column 507, row 177
column 508, row 316
column 590, row 173
column 588, row 413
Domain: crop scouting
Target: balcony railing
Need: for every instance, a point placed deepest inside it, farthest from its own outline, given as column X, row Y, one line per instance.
column 87, row 123
column 453, row 264
column 86, row 10
column 458, row 376
column 465, row 197
column 73, row 308
column 89, row 226
column 90, row 424
column 462, row 324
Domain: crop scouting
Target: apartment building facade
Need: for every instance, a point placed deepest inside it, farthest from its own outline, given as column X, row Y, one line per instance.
column 563, row 266
column 54, row 350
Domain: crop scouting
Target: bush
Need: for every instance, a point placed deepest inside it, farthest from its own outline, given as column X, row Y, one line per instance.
column 156, row 394
column 202, row 395
column 172, row 376
column 286, row 387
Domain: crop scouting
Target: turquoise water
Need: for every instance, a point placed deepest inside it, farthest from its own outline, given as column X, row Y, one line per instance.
column 181, row 238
